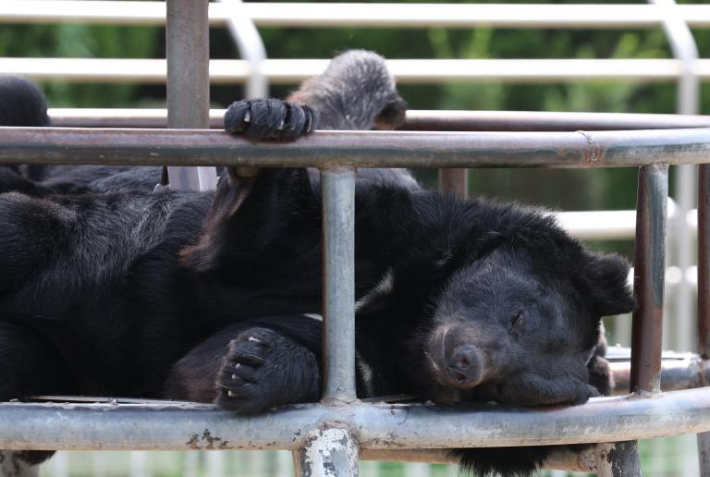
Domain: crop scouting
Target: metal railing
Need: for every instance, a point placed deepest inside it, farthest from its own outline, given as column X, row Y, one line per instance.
column 35, row 426
column 378, row 428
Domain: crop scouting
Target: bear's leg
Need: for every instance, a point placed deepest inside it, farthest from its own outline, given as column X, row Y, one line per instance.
column 29, row 366
column 248, row 212
column 247, row 370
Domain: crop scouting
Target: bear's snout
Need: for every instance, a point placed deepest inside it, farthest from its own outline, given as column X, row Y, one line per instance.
column 456, row 359
column 465, row 366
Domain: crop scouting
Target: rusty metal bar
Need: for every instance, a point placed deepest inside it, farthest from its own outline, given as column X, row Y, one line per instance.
column 417, row 120
column 649, row 275
column 356, row 148
column 378, row 426
column 339, row 285
column 618, row 459
column 188, row 87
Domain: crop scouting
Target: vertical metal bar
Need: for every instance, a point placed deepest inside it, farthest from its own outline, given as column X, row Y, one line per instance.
column 339, row 284
column 704, row 294
column 454, row 180
column 619, row 459
column 329, row 453
column 188, row 87
column 250, row 46
column 704, row 261
column 649, row 275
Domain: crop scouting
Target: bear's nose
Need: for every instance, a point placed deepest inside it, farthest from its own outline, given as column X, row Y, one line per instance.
column 465, row 367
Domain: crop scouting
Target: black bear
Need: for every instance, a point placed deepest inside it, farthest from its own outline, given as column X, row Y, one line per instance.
column 203, row 296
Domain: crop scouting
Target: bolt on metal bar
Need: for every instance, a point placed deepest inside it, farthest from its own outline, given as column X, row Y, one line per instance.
column 188, row 88
column 649, row 275
column 355, row 148
column 339, row 285
column 188, row 426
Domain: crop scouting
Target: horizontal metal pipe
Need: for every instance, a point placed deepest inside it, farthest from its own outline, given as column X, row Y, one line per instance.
column 417, row 120
column 354, row 14
column 356, row 148
column 425, row 120
column 685, row 372
column 375, row 426
column 437, row 71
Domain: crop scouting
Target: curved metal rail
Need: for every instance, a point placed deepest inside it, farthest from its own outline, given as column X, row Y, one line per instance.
column 185, row 426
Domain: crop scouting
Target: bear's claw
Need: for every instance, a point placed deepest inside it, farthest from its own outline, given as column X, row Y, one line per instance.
column 269, row 119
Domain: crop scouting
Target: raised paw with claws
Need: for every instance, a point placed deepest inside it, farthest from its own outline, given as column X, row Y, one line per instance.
column 269, row 119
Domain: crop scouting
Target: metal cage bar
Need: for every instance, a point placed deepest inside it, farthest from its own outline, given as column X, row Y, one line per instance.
column 189, row 426
column 356, row 148
column 649, row 276
column 188, row 88
column 339, row 285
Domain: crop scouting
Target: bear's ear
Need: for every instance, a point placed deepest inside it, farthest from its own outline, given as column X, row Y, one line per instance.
column 605, row 284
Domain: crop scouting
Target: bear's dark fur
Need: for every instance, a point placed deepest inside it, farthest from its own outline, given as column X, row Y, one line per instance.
column 201, row 296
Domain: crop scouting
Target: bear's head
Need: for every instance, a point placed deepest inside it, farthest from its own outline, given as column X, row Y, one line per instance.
column 519, row 317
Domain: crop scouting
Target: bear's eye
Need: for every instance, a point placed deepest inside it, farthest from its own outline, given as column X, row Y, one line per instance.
column 516, row 319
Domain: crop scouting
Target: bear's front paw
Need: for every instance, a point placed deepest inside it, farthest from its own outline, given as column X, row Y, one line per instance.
column 269, row 119
column 264, row 369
